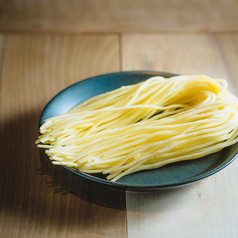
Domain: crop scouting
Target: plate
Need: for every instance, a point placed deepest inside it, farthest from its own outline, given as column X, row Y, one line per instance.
column 169, row 176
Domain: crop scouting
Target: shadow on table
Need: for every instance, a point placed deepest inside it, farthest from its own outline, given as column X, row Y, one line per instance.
column 19, row 174
column 33, row 202
column 64, row 181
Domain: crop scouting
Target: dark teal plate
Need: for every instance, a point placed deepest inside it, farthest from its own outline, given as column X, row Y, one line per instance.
column 173, row 175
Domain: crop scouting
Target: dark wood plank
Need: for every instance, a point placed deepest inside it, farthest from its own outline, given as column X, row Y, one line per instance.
column 38, row 200
column 118, row 16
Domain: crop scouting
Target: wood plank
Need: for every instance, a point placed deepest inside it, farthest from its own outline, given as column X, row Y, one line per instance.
column 228, row 45
column 38, row 200
column 2, row 45
column 207, row 208
column 118, row 16
column 175, row 53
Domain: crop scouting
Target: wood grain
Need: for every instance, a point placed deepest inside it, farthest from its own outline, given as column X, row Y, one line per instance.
column 118, row 16
column 38, row 200
column 180, row 53
column 207, row 208
column 228, row 50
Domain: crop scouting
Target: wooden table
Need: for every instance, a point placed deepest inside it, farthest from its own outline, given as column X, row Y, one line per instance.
column 46, row 46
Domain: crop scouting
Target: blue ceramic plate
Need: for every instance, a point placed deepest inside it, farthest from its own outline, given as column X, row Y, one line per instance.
column 172, row 175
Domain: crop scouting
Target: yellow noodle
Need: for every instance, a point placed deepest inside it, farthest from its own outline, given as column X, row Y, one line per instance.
column 144, row 126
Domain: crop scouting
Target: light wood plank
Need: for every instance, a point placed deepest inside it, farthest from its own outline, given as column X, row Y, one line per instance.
column 208, row 208
column 177, row 53
column 205, row 209
column 118, row 16
column 229, row 48
column 33, row 204
column 182, row 54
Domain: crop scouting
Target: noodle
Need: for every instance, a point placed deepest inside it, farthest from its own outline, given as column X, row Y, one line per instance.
column 144, row 126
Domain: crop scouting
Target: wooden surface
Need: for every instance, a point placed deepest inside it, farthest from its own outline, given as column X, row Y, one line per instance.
column 39, row 56
column 118, row 16
column 207, row 208
column 33, row 204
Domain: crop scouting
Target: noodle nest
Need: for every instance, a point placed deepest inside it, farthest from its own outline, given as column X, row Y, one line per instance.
column 144, row 126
